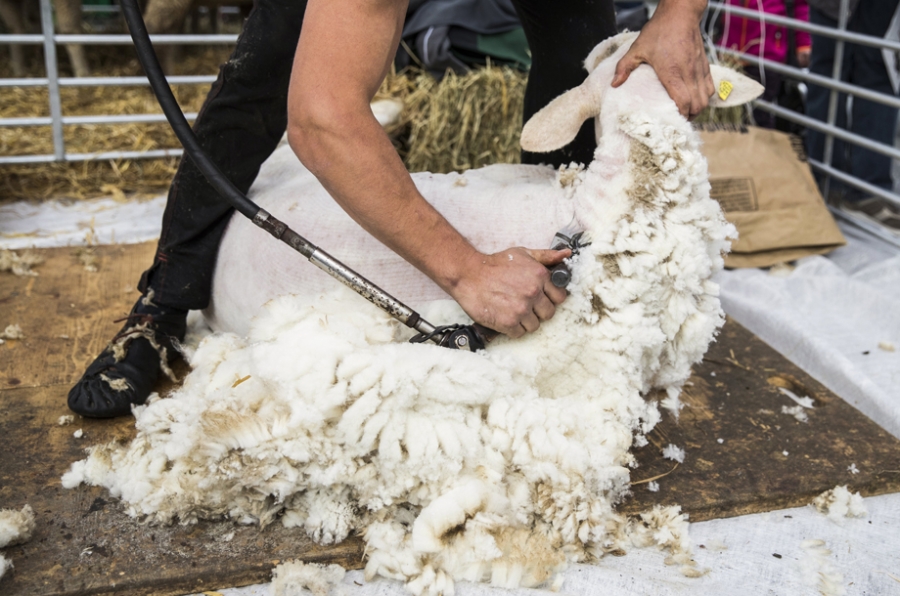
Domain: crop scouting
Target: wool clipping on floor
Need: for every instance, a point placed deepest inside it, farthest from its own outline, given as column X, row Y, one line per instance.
column 502, row 466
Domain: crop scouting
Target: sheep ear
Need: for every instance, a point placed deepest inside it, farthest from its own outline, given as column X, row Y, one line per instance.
column 560, row 120
column 732, row 88
column 607, row 48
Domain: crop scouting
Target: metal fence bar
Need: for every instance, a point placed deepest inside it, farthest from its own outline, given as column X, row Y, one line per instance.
column 124, row 119
column 33, row 39
column 24, row 159
column 849, row 36
column 857, row 220
column 100, row 119
column 59, row 149
column 855, row 182
column 155, row 153
column 124, row 155
column 134, row 81
column 825, row 128
column 860, row 222
column 34, row 121
column 37, row 82
column 107, row 81
column 828, row 83
column 122, row 40
column 836, row 70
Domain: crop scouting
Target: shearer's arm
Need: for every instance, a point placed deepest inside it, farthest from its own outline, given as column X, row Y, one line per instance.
column 671, row 43
column 346, row 48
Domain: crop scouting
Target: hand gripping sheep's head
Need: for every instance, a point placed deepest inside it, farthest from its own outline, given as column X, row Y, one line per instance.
column 559, row 121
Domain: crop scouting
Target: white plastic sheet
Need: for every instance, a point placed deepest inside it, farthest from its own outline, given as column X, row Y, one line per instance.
column 76, row 223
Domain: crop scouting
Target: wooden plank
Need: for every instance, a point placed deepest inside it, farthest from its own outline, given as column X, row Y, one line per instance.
column 85, row 544
column 767, row 459
column 67, row 314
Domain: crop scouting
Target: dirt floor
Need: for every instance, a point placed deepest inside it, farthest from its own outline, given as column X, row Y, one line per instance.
column 85, row 543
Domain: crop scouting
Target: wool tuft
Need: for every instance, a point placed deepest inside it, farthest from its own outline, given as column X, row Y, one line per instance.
column 818, row 571
column 296, row 578
column 673, row 452
column 839, row 503
column 797, row 412
column 16, row 526
column 5, row 565
column 12, row 332
column 19, row 264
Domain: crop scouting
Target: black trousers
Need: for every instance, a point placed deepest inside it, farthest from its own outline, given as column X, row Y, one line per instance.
column 863, row 66
column 245, row 116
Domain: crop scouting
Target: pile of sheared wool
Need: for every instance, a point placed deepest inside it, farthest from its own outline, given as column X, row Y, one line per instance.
column 498, row 466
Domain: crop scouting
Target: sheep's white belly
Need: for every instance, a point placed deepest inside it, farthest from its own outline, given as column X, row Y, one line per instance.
column 494, row 207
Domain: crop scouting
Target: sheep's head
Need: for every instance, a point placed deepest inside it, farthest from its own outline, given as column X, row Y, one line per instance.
column 560, row 120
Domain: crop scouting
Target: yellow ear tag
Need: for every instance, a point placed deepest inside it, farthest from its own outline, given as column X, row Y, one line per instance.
column 725, row 88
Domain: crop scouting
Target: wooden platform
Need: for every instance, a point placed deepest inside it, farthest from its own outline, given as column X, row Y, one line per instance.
column 85, row 544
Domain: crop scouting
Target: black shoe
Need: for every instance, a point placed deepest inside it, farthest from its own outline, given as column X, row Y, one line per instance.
column 125, row 372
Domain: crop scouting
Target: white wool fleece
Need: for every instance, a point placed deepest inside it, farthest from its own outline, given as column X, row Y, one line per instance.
column 16, row 526
column 497, row 466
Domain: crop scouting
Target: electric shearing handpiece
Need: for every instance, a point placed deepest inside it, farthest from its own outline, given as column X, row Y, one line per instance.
column 475, row 337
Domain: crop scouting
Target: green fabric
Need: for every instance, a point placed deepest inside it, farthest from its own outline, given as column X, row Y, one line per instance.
column 510, row 48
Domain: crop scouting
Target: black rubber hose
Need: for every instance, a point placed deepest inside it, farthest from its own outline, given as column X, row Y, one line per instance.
column 260, row 217
column 147, row 58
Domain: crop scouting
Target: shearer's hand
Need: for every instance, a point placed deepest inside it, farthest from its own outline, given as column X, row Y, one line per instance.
column 510, row 291
column 671, row 43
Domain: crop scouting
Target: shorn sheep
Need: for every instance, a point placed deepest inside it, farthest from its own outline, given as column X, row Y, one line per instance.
column 500, row 466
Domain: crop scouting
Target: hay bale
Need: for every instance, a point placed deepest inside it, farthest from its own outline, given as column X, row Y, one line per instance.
column 461, row 122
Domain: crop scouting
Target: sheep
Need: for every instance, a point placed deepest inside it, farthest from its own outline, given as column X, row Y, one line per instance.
column 15, row 16
column 503, row 465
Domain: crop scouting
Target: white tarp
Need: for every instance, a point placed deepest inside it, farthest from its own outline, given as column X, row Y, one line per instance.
column 76, row 223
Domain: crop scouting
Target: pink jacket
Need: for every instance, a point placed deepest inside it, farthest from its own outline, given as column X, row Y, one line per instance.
column 743, row 34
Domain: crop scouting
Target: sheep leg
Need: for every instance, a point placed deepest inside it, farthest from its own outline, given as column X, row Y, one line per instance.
column 167, row 16
column 68, row 15
column 12, row 17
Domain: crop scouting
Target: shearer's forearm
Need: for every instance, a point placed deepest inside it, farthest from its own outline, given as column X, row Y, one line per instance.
column 345, row 49
column 355, row 161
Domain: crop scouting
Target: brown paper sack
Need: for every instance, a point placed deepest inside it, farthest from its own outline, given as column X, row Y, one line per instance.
column 770, row 195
